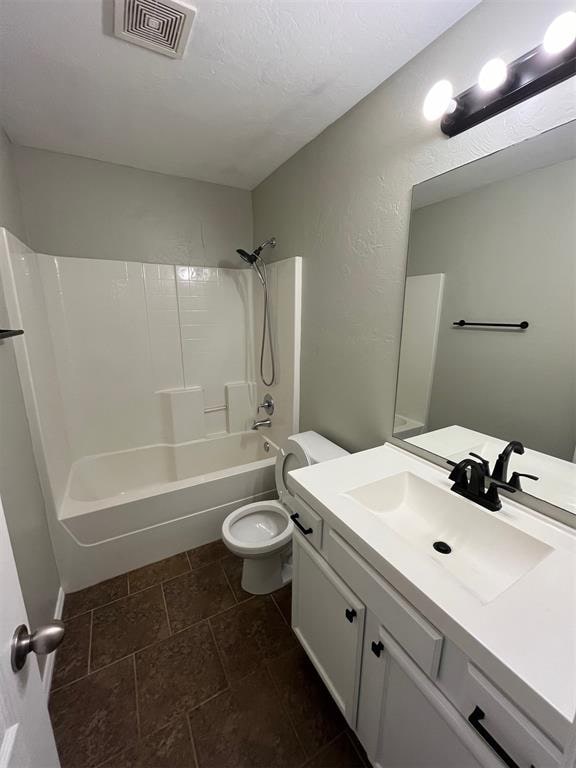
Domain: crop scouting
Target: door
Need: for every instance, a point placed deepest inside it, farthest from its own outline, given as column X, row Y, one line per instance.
column 26, row 738
column 328, row 619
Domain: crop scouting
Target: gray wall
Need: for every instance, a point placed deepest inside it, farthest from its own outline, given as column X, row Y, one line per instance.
column 343, row 204
column 19, row 484
column 78, row 207
column 507, row 250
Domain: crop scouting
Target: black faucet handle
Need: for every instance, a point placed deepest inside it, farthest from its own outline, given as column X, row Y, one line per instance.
column 515, row 480
column 492, row 499
column 485, row 463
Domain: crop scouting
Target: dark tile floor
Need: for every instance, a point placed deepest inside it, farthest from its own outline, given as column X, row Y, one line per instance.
column 175, row 666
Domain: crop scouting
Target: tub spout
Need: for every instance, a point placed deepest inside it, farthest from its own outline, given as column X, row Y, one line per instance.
column 261, row 423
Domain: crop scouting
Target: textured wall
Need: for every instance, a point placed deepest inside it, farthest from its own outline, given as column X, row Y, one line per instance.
column 343, row 204
column 79, row 207
column 491, row 244
column 19, row 484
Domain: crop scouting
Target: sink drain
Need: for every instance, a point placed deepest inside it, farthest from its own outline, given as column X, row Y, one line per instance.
column 442, row 547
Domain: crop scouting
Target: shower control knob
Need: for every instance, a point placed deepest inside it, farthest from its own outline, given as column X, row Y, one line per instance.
column 42, row 641
column 267, row 404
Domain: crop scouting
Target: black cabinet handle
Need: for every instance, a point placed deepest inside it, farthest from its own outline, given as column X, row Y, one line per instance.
column 377, row 648
column 350, row 614
column 298, row 524
column 474, row 720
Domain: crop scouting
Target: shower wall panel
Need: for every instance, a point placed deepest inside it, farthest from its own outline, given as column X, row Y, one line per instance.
column 123, row 332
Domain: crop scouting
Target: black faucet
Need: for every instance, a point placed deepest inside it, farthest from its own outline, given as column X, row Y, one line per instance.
column 501, row 467
column 472, row 480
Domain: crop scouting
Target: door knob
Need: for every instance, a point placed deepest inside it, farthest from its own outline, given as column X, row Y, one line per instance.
column 43, row 641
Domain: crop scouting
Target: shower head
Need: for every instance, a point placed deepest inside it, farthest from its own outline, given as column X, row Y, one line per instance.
column 252, row 258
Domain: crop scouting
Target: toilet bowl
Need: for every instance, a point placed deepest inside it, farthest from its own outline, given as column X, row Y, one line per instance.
column 261, row 533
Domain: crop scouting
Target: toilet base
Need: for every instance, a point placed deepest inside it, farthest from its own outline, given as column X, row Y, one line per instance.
column 262, row 575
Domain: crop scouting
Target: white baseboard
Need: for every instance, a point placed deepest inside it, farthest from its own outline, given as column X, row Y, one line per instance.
column 51, row 658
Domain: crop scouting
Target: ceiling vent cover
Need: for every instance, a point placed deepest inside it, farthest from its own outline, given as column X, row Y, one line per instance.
column 160, row 25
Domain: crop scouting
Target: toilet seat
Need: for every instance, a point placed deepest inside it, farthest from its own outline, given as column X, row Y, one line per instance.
column 258, row 529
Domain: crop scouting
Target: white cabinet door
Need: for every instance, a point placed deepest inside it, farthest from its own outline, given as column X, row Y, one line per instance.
column 404, row 721
column 414, row 733
column 328, row 619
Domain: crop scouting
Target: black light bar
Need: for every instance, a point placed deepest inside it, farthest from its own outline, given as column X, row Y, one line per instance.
column 528, row 75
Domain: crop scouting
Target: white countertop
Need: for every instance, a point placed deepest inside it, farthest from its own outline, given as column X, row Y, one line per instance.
column 525, row 638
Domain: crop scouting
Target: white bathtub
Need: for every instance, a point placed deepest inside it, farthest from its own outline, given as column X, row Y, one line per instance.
column 120, row 494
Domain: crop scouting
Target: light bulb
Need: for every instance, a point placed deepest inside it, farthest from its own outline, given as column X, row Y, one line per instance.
column 561, row 33
column 492, row 75
column 439, row 100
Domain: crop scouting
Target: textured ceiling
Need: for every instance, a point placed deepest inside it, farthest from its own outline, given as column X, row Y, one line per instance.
column 259, row 80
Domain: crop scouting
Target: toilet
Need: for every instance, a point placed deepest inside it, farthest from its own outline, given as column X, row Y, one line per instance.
column 261, row 533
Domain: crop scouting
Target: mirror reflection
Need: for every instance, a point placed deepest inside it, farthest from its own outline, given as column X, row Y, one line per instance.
column 488, row 352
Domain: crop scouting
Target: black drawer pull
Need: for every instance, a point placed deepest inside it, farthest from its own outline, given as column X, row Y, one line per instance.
column 298, row 524
column 474, row 720
column 350, row 614
column 377, row 648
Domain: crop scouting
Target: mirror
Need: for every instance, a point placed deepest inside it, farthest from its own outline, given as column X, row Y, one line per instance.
column 488, row 349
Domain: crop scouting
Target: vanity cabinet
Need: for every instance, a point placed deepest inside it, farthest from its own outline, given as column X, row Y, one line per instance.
column 328, row 620
column 413, row 698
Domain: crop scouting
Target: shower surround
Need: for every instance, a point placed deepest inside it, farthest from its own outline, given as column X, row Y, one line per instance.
column 140, row 386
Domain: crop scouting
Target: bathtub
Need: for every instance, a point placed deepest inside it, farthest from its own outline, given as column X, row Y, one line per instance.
column 121, row 494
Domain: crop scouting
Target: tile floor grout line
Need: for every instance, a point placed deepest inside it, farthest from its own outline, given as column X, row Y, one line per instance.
column 229, row 584
column 328, row 744
column 170, row 723
column 193, row 743
column 212, row 616
column 138, row 725
column 95, row 672
column 194, row 571
column 220, row 658
column 279, row 611
column 166, row 609
column 209, row 699
column 97, row 607
column 90, row 642
column 164, row 580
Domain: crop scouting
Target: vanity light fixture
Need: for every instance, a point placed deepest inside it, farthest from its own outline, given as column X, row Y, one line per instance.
column 492, row 75
column 501, row 86
column 439, row 100
column 561, row 33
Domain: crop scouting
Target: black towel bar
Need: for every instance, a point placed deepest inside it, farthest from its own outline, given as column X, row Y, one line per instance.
column 464, row 323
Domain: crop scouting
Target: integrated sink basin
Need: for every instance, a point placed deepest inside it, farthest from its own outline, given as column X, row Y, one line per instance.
column 483, row 553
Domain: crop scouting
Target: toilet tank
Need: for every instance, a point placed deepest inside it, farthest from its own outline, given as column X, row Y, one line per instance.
column 302, row 450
